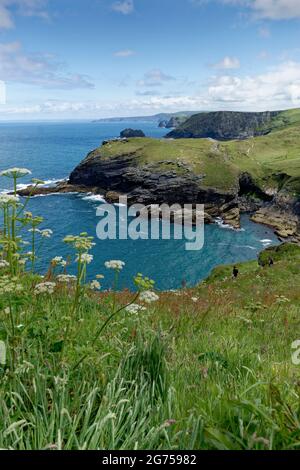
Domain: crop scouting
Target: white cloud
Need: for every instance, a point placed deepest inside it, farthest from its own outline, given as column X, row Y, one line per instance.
column 154, row 78
column 263, row 9
column 125, row 7
column 125, row 53
column 228, row 63
column 41, row 70
column 23, row 7
column 276, row 9
column 279, row 87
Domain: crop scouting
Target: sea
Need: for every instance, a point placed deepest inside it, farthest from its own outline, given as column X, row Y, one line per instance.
column 52, row 149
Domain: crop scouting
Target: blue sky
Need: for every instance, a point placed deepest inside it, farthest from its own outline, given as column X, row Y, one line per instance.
column 83, row 59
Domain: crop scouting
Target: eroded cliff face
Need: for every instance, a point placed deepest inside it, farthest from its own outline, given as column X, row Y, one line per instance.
column 146, row 183
column 224, row 125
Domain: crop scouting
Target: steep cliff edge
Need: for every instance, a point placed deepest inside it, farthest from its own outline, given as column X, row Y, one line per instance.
column 229, row 125
column 259, row 175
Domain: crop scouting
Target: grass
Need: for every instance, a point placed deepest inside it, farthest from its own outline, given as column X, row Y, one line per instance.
column 221, row 163
column 203, row 368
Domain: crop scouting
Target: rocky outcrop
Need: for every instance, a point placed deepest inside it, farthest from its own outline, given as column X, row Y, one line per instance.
column 121, row 168
column 145, row 184
column 224, row 125
column 128, row 133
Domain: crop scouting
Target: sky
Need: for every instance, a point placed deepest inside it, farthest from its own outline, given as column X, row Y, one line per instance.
column 88, row 59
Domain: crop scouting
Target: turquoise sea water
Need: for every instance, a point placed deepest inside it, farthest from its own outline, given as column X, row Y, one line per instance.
column 52, row 150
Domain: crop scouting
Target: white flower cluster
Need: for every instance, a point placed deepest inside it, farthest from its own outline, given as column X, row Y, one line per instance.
column 148, row 296
column 44, row 288
column 80, row 242
column 117, row 265
column 22, row 261
column 9, row 285
column 46, row 233
column 59, row 261
column 3, row 264
column 8, row 199
column 95, row 285
column 134, row 309
column 66, row 278
column 85, row 258
column 15, row 172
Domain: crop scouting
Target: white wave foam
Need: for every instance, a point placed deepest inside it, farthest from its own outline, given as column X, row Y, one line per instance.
column 93, row 197
column 55, row 194
column 220, row 222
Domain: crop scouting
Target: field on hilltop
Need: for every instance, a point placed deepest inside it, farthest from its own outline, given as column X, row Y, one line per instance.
column 220, row 163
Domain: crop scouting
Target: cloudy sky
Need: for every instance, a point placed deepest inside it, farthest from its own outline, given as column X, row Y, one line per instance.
column 82, row 59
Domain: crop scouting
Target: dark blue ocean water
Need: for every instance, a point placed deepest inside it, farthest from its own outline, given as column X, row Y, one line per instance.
column 52, row 150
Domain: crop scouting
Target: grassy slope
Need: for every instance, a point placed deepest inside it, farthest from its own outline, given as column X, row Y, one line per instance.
column 231, row 352
column 263, row 157
column 211, row 368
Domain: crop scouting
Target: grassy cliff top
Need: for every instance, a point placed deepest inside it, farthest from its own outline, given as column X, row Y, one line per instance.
column 222, row 162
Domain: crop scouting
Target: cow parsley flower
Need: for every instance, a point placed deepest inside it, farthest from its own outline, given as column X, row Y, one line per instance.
column 44, row 288
column 46, row 233
column 95, row 285
column 149, row 296
column 117, row 265
column 134, row 309
column 8, row 200
column 81, row 242
column 85, row 258
column 66, row 278
column 9, row 285
column 15, row 172
column 3, row 264
column 58, row 261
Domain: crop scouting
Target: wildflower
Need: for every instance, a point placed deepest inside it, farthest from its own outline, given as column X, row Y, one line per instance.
column 95, row 285
column 66, row 278
column 117, row 265
column 194, row 299
column 281, row 299
column 134, row 309
column 46, row 233
column 148, row 297
column 58, row 261
column 3, row 264
column 9, row 285
column 23, row 261
column 81, row 242
column 37, row 181
column 44, row 288
column 15, row 172
column 85, row 258
column 8, row 200
column 143, row 283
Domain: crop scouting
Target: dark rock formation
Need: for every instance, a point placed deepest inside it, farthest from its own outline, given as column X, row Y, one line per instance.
column 128, row 133
column 145, row 184
column 224, row 125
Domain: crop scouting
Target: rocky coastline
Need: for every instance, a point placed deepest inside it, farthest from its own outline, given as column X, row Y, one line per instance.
column 120, row 176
